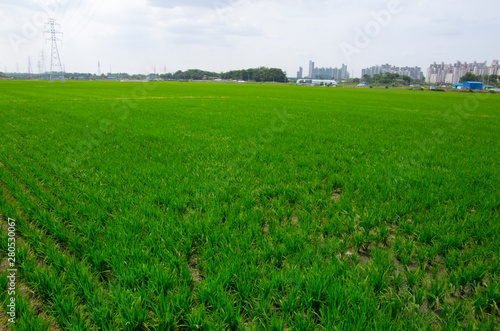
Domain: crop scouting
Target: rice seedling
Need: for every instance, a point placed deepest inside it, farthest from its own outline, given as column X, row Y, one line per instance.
column 224, row 206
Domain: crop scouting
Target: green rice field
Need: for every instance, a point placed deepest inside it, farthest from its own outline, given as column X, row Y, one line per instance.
column 213, row 206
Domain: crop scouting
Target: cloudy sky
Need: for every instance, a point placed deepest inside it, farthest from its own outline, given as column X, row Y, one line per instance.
column 141, row 36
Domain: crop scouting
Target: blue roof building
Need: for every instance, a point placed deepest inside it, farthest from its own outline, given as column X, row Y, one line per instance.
column 474, row 85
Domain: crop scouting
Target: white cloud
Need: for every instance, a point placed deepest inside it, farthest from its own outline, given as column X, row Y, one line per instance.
column 136, row 35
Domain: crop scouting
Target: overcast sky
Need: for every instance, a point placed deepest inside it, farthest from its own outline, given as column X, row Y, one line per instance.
column 139, row 36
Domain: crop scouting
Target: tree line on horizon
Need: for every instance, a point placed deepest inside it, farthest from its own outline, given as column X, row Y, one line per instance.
column 261, row 74
column 388, row 79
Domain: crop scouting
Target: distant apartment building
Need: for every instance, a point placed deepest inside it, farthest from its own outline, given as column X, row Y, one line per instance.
column 326, row 73
column 311, row 69
column 300, row 73
column 413, row 72
column 451, row 73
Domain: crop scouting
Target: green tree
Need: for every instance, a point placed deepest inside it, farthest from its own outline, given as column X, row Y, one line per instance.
column 377, row 78
column 391, row 76
column 367, row 78
column 407, row 79
column 494, row 80
column 468, row 77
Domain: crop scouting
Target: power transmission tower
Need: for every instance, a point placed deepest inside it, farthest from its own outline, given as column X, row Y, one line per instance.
column 30, row 70
column 41, row 65
column 56, row 69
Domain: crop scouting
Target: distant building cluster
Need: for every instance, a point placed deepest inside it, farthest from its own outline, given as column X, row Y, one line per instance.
column 451, row 73
column 324, row 73
column 413, row 72
column 300, row 73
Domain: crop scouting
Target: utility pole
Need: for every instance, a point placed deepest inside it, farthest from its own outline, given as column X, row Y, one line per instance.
column 56, row 68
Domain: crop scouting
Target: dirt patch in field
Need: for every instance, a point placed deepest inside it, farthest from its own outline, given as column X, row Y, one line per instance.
column 265, row 229
column 336, row 194
column 295, row 220
column 196, row 275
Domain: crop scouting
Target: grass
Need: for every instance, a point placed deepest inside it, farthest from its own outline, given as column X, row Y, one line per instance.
column 223, row 206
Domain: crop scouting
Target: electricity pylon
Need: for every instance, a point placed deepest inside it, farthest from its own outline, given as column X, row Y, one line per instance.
column 41, row 65
column 52, row 30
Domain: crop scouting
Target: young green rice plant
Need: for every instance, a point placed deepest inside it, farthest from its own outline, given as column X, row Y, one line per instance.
column 26, row 319
column 210, row 294
column 383, row 258
column 404, row 251
column 378, row 279
column 396, row 305
column 361, row 240
column 101, row 312
column 407, row 255
column 494, row 266
column 315, row 293
column 419, row 295
column 453, row 315
column 46, row 284
column 397, row 281
column 432, row 252
column 134, row 312
column 451, row 241
column 426, row 234
column 230, row 316
column 303, row 320
column 261, row 314
column 165, row 280
column 436, row 292
column 68, row 312
column 276, row 323
column 197, row 319
column 292, row 301
column 414, row 278
column 368, row 222
column 383, row 234
column 398, row 246
column 407, row 227
column 421, row 256
column 487, row 300
column 472, row 274
column 452, row 259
